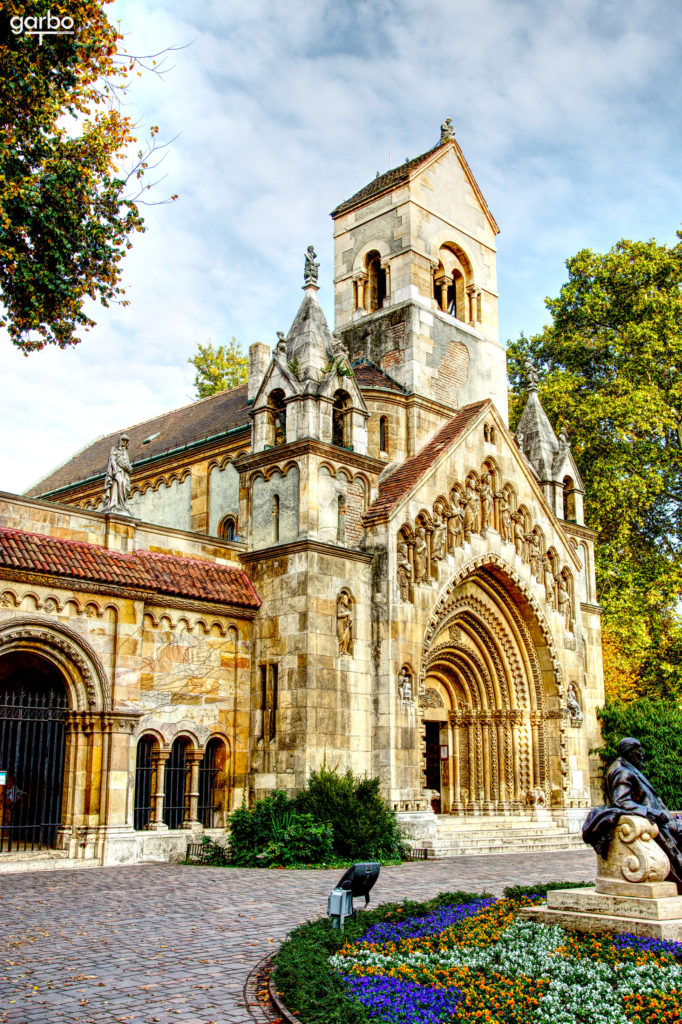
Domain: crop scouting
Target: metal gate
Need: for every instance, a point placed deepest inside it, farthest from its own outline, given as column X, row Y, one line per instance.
column 32, row 730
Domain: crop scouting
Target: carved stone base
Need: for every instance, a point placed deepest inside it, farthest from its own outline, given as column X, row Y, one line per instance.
column 586, row 910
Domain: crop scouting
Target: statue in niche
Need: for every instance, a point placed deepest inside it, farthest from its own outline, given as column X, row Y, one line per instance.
column 405, row 687
column 574, row 710
column 404, row 571
column 534, row 554
column 311, row 269
column 519, row 534
column 486, row 495
column 549, row 581
column 505, row 516
column 472, row 507
column 344, row 623
column 117, row 479
column 420, row 555
column 564, row 600
column 440, row 535
column 456, row 521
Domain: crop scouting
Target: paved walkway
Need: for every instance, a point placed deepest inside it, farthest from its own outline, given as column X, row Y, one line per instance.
column 162, row 943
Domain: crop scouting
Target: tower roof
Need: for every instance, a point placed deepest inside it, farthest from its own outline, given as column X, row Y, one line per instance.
column 309, row 342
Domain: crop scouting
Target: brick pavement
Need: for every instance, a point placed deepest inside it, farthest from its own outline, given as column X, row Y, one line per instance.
column 173, row 944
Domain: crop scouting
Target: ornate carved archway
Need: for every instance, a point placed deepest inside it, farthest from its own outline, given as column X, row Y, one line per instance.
column 84, row 677
column 488, row 649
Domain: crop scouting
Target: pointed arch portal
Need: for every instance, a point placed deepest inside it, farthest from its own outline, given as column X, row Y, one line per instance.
column 491, row 681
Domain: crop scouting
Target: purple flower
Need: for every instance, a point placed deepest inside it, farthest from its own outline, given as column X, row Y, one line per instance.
column 627, row 941
column 403, row 1002
column 418, row 927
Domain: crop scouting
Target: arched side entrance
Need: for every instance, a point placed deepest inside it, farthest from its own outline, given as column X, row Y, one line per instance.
column 55, row 737
column 33, row 714
column 490, row 688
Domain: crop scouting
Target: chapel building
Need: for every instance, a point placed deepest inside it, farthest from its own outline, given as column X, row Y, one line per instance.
column 350, row 560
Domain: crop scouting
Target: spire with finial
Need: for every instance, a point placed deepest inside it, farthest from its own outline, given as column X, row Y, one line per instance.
column 447, row 132
column 311, row 269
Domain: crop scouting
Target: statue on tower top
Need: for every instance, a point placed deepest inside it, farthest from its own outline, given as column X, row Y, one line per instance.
column 447, row 132
column 311, row 269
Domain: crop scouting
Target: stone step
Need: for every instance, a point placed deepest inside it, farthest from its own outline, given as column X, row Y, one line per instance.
column 501, row 843
column 10, row 863
column 495, row 833
column 448, row 828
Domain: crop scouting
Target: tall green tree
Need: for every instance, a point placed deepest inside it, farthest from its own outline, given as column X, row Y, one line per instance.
column 611, row 374
column 218, row 369
column 67, row 208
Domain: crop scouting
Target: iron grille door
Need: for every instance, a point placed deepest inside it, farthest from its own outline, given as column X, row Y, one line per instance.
column 32, row 735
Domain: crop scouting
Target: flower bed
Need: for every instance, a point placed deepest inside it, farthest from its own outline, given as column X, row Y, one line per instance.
column 472, row 960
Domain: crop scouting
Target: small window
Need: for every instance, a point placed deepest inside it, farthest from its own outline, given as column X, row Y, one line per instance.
column 569, row 499
column 278, row 418
column 273, row 701
column 275, row 518
column 228, row 528
column 145, row 783
column 341, row 420
column 176, row 796
column 383, row 435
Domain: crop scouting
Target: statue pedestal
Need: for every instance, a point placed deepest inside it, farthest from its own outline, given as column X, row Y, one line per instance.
column 630, row 895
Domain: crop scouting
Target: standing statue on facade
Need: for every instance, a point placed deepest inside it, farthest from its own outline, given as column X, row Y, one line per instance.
column 628, row 791
column 505, row 516
column 311, row 269
column 486, row 493
column 439, row 536
column 534, row 554
column 472, row 507
column 456, row 521
column 404, row 571
column 519, row 535
column 564, row 600
column 344, row 623
column 405, row 687
column 549, row 581
column 420, row 555
column 574, row 710
column 117, row 479
column 447, row 132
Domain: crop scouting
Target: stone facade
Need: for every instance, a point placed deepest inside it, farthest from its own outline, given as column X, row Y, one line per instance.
column 350, row 560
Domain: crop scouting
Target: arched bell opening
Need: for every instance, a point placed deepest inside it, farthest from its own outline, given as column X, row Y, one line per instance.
column 34, row 708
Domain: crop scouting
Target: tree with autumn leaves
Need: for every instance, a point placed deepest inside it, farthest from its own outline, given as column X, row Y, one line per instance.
column 611, row 373
column 66, row 209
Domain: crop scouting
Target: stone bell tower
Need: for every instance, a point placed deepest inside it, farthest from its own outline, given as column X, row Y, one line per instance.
column 415, row 279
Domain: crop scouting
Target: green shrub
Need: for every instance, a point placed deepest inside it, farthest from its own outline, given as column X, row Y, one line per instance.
column 658, row 726
column 515, row 892
column 274, row 831
column 302, row 975
column 364, row 826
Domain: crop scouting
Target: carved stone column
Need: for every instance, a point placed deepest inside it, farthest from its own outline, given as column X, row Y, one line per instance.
column 194, row 759
column 487, row 764
column 456, row 785
column 515, row 721
column 159, row 759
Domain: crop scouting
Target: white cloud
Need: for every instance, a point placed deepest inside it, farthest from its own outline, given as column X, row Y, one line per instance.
column 564, row 111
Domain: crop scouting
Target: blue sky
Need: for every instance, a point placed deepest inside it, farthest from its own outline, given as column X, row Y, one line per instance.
column 568, row 113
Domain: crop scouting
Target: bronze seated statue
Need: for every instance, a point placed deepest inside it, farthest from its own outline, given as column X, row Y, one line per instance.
column 628, row 791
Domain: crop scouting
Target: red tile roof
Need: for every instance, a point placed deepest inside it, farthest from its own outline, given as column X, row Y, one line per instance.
column 217, row 414
column 394, row 487
column 370, row 376
column 143, row 570
column 384, row 182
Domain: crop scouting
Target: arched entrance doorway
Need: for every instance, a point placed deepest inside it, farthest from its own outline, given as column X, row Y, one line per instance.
column 490, row 690
column 33, row 712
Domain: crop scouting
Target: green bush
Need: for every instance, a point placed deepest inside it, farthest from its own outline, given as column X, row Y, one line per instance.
column 274, row 831
column 364, row 826
column 658, row 726
column 302, row 975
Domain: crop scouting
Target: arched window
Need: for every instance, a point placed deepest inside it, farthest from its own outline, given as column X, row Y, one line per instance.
column 341, row 419
column 569, row 499
column 275, row 518
column 376, row 282
column 383, row 435
column 212, row 784
column 341, row 520
column 228, row 528
column 145, row 782
column 176, row 793
column 278, row 418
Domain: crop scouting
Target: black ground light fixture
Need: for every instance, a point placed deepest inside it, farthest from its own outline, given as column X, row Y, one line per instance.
column 357, row 881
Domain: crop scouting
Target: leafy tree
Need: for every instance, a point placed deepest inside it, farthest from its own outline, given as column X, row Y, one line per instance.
column 218, row 369
column 658, row 726
column 611, row 369
column 65, row 213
